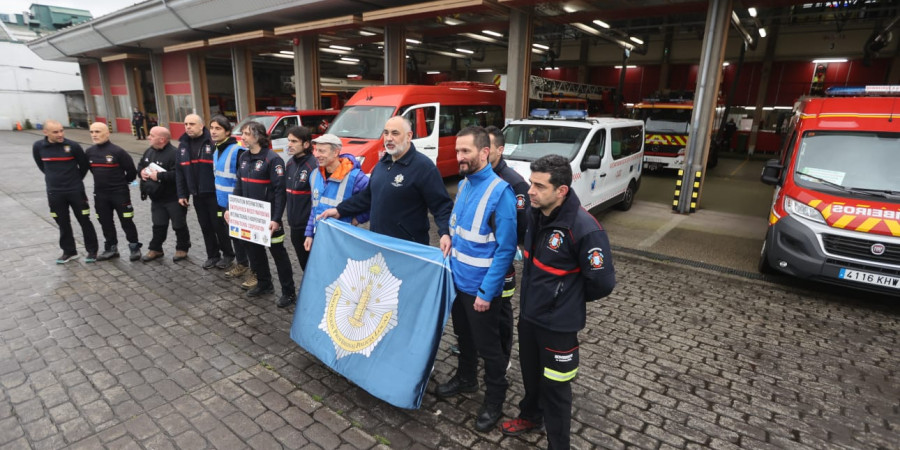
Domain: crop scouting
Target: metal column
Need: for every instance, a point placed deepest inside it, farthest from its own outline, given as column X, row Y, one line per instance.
column 241, row 65
column 394, row 54
column 159, row 91
column 518, row 63
column 764, row 77
column 306, row 73
column 715, row 36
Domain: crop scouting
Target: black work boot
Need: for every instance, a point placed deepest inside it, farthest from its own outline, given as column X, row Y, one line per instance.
column 135, row 248
column 455, row 386
column 109, row 253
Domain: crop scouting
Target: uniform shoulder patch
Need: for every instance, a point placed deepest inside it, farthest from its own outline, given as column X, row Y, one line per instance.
column 595, row 258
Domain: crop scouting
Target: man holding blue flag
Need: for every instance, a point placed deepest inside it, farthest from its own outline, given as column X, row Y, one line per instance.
column 483, row 244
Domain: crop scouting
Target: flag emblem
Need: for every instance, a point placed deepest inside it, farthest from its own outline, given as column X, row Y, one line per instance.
column 361, row 306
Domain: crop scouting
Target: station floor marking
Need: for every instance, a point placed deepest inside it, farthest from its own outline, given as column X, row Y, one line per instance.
column 736, row 169
column 662, row 231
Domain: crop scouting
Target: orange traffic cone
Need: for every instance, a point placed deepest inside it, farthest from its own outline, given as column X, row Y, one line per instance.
column 18, row 126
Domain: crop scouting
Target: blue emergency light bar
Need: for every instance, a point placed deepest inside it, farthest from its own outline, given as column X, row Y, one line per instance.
column 282, row 108
column 850, row 91
column 565, row 114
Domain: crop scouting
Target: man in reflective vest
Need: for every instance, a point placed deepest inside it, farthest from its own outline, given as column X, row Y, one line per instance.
column 567, row 263
column 225, row 159
column 483, row 244
column 337, row 178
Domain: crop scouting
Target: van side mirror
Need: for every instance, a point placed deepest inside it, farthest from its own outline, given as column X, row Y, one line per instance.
column 771, row 173
column 592, row 162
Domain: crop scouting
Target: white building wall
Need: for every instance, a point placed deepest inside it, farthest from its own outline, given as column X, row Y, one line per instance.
column 31, row 88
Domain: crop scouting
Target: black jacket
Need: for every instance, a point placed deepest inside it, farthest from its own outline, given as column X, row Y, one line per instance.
column 520, row 188
column 399, row 195
column 64, row 165
column 568, row 262
column 164, row 189
column 298, row 173
column 111, row 166
column 261, row 177
column 195, row 173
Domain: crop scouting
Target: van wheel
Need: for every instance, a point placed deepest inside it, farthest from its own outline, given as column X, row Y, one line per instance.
column 628, row 198
column 763, row 265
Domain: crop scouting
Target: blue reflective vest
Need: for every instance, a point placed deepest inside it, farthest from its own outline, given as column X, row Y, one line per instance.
column 474, row 243
column 225, row 165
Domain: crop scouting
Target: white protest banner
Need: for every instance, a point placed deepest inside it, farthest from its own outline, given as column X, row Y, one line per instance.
column 248, row 220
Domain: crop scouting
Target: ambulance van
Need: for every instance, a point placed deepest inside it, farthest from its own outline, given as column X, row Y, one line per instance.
column 437, row 113
column 835, row 213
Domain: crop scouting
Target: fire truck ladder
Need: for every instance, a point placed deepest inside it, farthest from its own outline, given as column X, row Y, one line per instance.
column 540, row 86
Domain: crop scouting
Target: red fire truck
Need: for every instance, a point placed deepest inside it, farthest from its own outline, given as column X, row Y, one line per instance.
column 835, row 213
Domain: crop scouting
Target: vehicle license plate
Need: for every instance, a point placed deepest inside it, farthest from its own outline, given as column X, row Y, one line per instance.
column 870, row 278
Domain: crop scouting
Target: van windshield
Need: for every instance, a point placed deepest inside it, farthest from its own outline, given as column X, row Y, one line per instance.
column 266, row 121
column 364, row 122
column 527, row 142
column 860, row 163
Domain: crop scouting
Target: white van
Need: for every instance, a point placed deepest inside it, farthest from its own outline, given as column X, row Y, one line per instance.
column 606, row 154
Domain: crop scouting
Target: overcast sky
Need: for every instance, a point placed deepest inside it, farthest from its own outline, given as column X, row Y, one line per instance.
column 96, row 7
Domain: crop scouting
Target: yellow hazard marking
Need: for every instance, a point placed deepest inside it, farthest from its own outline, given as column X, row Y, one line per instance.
column 843, row 221
column 772, row 218
column 815, row 203
column 826, row 213
column 868, row 225
column 893, row 226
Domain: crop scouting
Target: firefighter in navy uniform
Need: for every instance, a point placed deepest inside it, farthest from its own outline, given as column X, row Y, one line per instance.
column 113, row 170
column 195, row 177
column 137, row 122
column 261, row 177
column 298, row 172
column 159, row 186
column 567, row 264
column 64, row 165
column 520, row 189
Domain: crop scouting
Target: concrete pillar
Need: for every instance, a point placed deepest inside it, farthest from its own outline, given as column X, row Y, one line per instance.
column 306, row 73
column 394, row 54
column 763, row 92
column 88, row 97
column 107, row 98
column 159, row 90
column 199, row 90
column 712, row 54
column 583, row 60
column 666, row 57
column 518, row 63
column 242, row 67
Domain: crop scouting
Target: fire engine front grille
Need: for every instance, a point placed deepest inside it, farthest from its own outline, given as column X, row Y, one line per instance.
column 861, row 249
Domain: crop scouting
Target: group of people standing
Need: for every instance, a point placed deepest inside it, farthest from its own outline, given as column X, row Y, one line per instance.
column 497, row 217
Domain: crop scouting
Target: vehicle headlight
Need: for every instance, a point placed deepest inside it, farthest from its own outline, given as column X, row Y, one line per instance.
column 797, row 208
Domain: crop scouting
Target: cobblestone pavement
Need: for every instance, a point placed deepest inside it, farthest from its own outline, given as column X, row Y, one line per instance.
column 166, row 355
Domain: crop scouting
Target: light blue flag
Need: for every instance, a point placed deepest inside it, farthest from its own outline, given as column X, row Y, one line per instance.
column 373, row 308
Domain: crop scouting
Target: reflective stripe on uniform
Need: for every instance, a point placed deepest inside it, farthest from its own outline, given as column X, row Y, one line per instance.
column 471, row 260
column 85, row 212
column 278, row 240
column 559, row 376
column 508, row 292
column 219, row 187
column 53, row 214
column 128, row 214
column 219, row 214
column 337, row 198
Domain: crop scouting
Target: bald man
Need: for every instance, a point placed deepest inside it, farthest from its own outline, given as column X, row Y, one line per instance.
column 404, row 186
column 196, row 177
column 64, row 165
column 113, row 169
column 157, row 172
